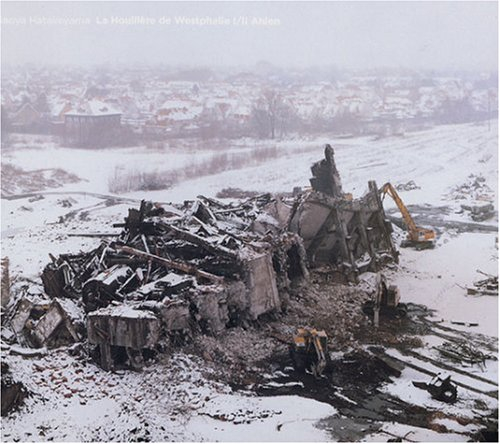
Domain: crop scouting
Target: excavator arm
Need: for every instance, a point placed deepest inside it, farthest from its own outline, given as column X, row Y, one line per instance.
column 416, row 234
column 320, row 364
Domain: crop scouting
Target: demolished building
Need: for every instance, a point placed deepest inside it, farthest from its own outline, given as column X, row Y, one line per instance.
column 351, row 235
column 203, row 266
column 174, row 272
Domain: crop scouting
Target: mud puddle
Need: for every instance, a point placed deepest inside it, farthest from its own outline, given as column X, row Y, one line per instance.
column 353, row 383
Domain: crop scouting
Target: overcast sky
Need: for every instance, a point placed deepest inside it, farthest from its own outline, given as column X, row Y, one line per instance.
column 435, row 35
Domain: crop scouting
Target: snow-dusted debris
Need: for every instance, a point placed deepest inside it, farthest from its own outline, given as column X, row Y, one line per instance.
column 143, row 406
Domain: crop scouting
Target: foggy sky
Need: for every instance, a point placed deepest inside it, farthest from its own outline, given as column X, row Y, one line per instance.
column 429, row 35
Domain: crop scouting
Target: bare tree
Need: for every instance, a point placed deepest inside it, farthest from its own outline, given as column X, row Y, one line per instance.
column 271, row 114
column 272, row 101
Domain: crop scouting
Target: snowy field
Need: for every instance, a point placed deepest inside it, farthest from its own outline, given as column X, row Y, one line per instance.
column 438, row 160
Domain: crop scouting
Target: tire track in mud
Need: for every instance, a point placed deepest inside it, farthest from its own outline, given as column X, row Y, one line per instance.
column 445, row 366
column 363, row 408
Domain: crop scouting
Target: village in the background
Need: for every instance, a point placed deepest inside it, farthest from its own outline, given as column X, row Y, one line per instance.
column 263, row 221
column 124, row 106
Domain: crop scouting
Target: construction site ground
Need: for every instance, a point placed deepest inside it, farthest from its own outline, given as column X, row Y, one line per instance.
column 240, row 386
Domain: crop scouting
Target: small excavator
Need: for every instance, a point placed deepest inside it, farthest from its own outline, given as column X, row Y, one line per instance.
column 309, row 351
column 385, row 301
column 418, row 237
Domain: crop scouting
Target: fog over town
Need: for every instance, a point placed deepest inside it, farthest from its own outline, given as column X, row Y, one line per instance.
column 249, row 221
column 357, row 35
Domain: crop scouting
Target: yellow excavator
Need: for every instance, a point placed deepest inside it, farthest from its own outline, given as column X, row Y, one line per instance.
column 418, row 237
column 309, row 351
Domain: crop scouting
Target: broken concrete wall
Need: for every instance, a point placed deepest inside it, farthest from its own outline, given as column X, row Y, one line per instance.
column 43, row 322
column 47, row 324
column 352, row 235
column 20, row 314
column 123, row 326
column 273, row 218
column 211, row 311
column 290, row 263
column 343, row 233
column 175, row 315
column 262, row 291
column 60, row 325
column 326, row 178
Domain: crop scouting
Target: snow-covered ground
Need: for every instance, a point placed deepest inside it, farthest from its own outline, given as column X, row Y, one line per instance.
column 437, row 160
column 437, row 278
column 167, row 401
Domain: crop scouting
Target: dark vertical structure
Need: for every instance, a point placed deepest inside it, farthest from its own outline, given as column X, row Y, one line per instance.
column 326, row 178
column 352, row 236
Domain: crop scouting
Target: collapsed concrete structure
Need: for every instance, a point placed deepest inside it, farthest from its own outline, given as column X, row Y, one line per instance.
column 352, row 235
column 173, row 272
column 204, row 266
column 38, row 321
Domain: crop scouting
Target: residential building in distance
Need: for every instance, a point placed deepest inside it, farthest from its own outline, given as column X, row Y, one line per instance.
column 93, row 124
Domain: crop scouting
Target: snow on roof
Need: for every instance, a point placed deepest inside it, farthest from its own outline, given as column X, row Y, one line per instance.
column 242, row 110
column 26, row 106
column 57, row 108
column 94, row 108
column 123, row 311
column 180, row 114
column 176, row 105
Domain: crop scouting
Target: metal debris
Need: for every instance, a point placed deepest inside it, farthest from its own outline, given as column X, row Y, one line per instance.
column 203, row 266
column 442, row 389
column 486, row 287
column 463, row 353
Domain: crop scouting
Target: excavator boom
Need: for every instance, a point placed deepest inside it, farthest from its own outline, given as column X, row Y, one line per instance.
column 417, row 235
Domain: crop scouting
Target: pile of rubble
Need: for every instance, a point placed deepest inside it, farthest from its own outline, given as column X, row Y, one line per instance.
column 487, row 287
column 463, row 353
column 16, row 180
column 479, row 195
column 201, row 267
column 352, row 235
column 475, row 187
column 479, row 211
column 178, row 271
column 408, row 186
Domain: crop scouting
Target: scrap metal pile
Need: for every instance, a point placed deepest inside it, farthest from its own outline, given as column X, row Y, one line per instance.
column 488, row 286
column 201, row 267
column 479, row 197
column 177, row 271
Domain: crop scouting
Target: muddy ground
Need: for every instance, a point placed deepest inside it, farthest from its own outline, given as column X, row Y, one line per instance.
column 362, row 382
column 257, row 360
